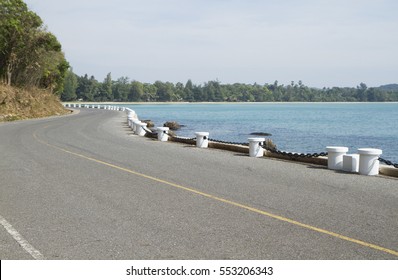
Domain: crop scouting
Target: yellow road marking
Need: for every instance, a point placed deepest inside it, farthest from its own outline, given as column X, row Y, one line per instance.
column 239, row 205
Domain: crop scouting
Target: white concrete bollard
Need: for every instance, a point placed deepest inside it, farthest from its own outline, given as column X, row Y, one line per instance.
column 202, row 139
column 140, row 131
column 335, row 157
column 130, row 121
column 135, row 126
column 255, row 148
column 162, row 133
column 369, row 161
column 131, row 113
column 351, row 163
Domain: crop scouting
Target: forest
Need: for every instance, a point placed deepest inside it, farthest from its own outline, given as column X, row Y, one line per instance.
column 85, row 88
column 30, row 56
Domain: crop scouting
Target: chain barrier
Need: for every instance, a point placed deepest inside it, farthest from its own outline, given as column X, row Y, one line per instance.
column 264, row 145
column 226, row 142
column 294, row 155
column 180, row 138
column 388, row 162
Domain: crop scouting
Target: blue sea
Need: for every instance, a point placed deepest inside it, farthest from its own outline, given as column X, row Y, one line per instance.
column 295, row 127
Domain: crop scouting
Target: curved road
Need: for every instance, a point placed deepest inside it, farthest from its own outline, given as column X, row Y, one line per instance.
column 83, row 187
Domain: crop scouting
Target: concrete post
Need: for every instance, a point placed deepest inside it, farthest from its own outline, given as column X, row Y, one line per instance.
column 335, row 157
column 140, row 128
column 202, row 139
column 162, row 134
column 351, row 163
column 255, row 148
column 136, row 124
column 130, row 122
column 369, row 161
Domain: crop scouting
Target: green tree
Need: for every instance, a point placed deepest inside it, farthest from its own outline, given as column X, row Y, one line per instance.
column 136, row 91
column 16, row 25
column 149, row 92
column 362, row 92
column 29, row 54
column 188, row 91
column 121, row 89
column 70, row 86
column 105, row 90
column 179, row 93
column 87, row 88
column 165, row 91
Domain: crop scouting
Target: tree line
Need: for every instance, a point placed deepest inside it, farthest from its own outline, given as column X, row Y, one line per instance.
column 32, row 56
column 85, row 88
column 29, row 54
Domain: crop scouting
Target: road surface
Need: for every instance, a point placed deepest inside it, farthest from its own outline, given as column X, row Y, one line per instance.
column 83, row 187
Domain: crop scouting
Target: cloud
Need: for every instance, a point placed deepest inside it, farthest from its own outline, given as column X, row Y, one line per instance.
column 235, row 41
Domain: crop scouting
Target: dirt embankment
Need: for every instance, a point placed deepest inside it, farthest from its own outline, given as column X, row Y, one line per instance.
column 18, row 104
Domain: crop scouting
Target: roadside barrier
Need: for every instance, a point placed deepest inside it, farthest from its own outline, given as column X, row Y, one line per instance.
column 369, row 161
column 365, row 162
column 256, row 147
column 163, row 133
column 351, row 163
column 202, row 139
column 140, row 128
column 335, row 157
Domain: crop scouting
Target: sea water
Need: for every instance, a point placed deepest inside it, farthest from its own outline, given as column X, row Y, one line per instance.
column 295, row 127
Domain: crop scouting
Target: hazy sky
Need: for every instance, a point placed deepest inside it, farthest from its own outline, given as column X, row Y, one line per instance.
column 322, row 43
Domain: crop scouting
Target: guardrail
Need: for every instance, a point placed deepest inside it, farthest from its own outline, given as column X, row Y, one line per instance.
column 365, row 162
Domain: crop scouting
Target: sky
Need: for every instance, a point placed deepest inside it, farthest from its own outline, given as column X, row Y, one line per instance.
column 323, row 43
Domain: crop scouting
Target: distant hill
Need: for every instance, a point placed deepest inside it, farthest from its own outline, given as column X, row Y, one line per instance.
column 389, row 87
column 17, row 104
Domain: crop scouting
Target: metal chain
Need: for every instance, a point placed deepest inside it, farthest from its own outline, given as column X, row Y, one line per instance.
column 388, row 162
column 294, row 155
column 181, row 138
column 275, row 151
column 226, row 142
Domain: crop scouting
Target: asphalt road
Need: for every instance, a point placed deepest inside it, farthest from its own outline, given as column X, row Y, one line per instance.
column 83, row 187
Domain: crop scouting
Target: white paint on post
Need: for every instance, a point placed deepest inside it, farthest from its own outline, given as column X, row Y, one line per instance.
column 141, row 128
column 162, row 134
column 202, row 139
column 255, row 148
column 335, row 157
column 351, row 163
column 369, row 161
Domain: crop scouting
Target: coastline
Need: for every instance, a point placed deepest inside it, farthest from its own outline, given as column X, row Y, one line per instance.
column 223, row 102
column 293, row 125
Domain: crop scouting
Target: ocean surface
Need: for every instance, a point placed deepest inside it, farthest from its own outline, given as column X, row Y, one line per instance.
column 295, row 127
